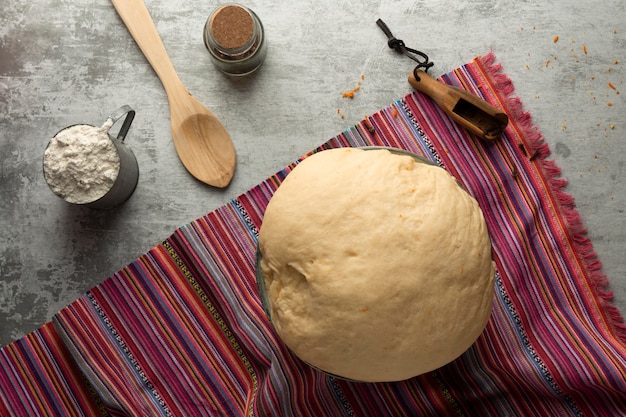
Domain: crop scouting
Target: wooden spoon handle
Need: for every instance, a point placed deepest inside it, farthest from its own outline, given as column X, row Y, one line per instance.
column 139, row 23
column 470, row 111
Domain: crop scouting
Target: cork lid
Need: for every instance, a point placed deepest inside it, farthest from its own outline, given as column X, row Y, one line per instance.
column 232, row 26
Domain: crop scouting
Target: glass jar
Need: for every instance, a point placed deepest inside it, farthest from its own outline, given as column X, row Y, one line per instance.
column 234, row 36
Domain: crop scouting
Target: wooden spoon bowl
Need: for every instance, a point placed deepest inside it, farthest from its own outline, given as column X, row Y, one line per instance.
column 201, row 141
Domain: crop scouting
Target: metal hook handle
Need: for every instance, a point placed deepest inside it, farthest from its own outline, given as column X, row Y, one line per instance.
column 117, row 115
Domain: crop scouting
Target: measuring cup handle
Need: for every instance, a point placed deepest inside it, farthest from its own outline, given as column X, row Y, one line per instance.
column 117, row 115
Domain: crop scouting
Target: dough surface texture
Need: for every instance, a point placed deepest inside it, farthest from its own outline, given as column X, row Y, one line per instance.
column 377, row 267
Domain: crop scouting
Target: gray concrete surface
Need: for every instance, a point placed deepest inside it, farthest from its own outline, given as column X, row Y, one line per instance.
column 73, row 61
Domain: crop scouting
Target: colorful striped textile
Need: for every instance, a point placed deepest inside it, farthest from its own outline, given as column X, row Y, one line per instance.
column 181, row 330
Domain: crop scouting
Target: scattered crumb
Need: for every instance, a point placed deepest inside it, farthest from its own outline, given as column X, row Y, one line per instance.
column 555, row 39
column 534, row 155
column 547, row 63
column 350, row 94
column 616, row 62
column 527, row 67
column 609, row 104
column 584, row 48
column 612, row 127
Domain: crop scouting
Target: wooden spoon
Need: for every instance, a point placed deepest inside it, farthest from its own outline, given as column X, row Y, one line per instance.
column 201, row 141
column 470, row 111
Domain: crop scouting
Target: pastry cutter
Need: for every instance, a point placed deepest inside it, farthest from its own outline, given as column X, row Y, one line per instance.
column 470, row 111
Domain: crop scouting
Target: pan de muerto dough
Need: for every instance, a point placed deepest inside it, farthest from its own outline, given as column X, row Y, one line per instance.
column 375, row 266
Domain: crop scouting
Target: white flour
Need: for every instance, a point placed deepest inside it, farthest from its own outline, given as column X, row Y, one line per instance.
column 81, row 163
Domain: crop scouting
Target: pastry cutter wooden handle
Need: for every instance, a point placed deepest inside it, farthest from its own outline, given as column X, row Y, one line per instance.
column 468, row 110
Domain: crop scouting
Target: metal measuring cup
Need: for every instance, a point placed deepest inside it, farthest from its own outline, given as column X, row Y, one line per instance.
column 128, row 173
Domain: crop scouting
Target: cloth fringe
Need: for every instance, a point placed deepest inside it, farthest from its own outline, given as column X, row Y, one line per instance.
column 583, row 245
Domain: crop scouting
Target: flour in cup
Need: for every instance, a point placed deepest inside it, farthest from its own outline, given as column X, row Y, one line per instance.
column 81, row 163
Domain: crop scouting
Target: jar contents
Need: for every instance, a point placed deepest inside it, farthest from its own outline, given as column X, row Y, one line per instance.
column 234, row 36
column 81, row 163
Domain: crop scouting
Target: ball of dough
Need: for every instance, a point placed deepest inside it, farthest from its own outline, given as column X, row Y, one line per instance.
column 377, row 267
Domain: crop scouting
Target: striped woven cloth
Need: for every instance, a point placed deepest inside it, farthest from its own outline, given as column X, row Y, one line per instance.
column 181, row 330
